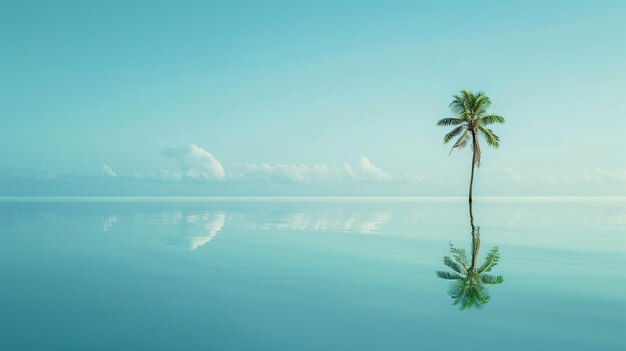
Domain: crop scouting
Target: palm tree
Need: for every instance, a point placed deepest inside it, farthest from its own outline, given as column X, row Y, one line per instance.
column 469, row 290
column 471, row 118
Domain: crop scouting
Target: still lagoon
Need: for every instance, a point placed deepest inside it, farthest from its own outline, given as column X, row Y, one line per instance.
column 312, row 274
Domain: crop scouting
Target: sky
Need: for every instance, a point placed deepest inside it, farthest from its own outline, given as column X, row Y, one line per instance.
column 290, row 98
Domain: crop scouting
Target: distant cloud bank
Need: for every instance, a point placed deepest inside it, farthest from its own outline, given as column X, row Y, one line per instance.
column 185, row 165
column 364, row 171
column 368, row 172
column 198, row 164
column 195, row 163
column 589, row 176
column 108, row 171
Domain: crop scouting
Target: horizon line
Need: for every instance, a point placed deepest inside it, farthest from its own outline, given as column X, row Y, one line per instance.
column 172, row 198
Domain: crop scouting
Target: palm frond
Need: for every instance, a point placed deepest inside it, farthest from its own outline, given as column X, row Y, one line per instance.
column 492, row 139
column 468, row 101
column 459, row 256
column 455, row 266
column 457, row 105
column 491, row 279
column 449, row 122
column 468, row 97
column 476, row 297
column 481, row 103
column 493, row 256
column 468, row 293
column 491, row 119
column 454, row 132
column 457, row 252
column 461, row 142
column 456, row 290
column 448, row 275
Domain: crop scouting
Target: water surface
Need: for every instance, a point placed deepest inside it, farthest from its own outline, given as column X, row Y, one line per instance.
column 307, row 274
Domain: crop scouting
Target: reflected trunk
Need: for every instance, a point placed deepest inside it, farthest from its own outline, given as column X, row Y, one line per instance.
column 475, row 239
column 473, row 167
column 469, row 290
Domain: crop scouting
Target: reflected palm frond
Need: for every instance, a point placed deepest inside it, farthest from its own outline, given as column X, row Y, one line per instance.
column 468, row 290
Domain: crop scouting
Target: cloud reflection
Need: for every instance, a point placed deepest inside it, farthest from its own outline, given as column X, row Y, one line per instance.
column 109, row 222
column 363, row 223
column 197, row 228
column 210, row 225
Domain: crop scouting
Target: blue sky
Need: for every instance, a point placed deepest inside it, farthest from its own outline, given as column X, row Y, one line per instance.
column 308, row 98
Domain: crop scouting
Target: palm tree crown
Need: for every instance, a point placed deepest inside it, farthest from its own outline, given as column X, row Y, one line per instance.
column 471, row 120
column 469, row 289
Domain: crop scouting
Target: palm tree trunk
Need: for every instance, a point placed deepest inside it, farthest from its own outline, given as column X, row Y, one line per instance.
column 471, row 214
column 473, row 165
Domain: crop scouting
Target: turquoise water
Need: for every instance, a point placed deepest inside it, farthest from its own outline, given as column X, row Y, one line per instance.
column 307, row 274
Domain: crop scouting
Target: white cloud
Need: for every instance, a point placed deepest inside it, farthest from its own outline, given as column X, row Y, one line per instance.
column 170, row 175
column 414, row 178
column 302, row 173
column 370, row 173
column 588, row 177
column 292, row 173
column 513, row 173
column 604, row 175
column 195, row 163
column 108, row 171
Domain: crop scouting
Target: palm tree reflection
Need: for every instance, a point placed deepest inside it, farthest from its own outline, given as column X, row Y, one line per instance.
column 468, row 290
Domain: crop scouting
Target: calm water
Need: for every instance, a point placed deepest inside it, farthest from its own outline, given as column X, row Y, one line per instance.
column 327, row 274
